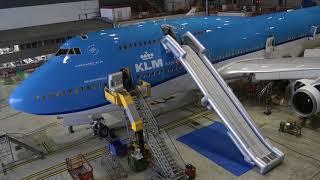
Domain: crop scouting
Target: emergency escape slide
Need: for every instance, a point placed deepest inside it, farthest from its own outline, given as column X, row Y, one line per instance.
column 218, row 97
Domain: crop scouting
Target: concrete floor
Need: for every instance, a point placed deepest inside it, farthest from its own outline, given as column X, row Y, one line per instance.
column 302, row 159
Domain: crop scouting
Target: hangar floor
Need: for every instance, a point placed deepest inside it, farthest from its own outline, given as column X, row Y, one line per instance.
column 302, row 159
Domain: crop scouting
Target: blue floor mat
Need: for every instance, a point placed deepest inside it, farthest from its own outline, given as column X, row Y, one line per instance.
column 214, row 143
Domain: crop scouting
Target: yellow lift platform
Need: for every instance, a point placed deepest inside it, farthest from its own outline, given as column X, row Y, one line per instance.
column 118, row 95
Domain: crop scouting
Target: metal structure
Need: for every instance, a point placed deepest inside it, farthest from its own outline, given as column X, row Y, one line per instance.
column 154, row 137
column 6, row 155
column 266, row 95
column 79, row 168
column 138, row 112
column 219, row 98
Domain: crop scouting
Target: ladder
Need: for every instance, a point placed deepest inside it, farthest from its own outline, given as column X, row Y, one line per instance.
column 164, row 157
column 149, row 121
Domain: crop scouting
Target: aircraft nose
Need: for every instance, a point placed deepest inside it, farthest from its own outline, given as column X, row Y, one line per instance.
column 16, row 100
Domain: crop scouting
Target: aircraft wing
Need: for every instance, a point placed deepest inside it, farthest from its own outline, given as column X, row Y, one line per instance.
column 272, row 69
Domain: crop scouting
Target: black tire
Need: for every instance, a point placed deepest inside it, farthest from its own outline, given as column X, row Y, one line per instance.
column 103, row 131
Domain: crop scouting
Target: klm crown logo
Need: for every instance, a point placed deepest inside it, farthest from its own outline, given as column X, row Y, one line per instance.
column 146, row 56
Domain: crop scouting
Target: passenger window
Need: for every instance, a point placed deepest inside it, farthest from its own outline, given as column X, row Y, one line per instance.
column 76, row 91
column 37, row 97
column 70, row 91
column 63, row 93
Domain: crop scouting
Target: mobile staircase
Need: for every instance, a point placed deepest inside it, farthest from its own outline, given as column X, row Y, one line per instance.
column 219, row 98
column 144, row 124
column 165, row 161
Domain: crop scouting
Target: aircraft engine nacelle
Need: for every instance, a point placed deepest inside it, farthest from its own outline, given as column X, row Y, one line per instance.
column 306, row 97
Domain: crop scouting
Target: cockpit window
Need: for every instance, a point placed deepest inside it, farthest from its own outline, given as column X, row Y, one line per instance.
column 71, row 51
column 77, row 50
column 62, row 52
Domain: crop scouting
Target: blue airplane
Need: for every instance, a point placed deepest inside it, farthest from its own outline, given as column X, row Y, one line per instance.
column 71, row 84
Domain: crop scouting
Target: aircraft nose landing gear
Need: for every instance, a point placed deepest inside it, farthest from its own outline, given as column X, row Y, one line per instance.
column 99, row 128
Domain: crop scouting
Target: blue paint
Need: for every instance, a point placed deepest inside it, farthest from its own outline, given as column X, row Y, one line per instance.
column 219, row 149
column 308, row 3
column 65, row 85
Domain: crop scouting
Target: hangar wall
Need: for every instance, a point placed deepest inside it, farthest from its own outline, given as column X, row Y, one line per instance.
column 20, row 17
column 175, row 5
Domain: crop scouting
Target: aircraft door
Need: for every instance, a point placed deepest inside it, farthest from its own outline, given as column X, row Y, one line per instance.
column 120, row 80
column 127, row 79
column 171, row 30
column 270, row 46
column 312, row 33
column 115, row 81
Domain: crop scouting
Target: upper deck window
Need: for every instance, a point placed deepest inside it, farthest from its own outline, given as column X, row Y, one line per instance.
column 84, row 37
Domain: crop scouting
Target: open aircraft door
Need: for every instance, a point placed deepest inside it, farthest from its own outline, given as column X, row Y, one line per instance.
column 270, row 46
column 312, row 32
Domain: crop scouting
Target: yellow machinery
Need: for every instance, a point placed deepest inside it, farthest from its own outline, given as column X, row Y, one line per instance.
column 117, row 95
column 138, row 113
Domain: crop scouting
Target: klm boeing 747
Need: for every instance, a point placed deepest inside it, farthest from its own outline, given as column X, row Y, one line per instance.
column 268, row 47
